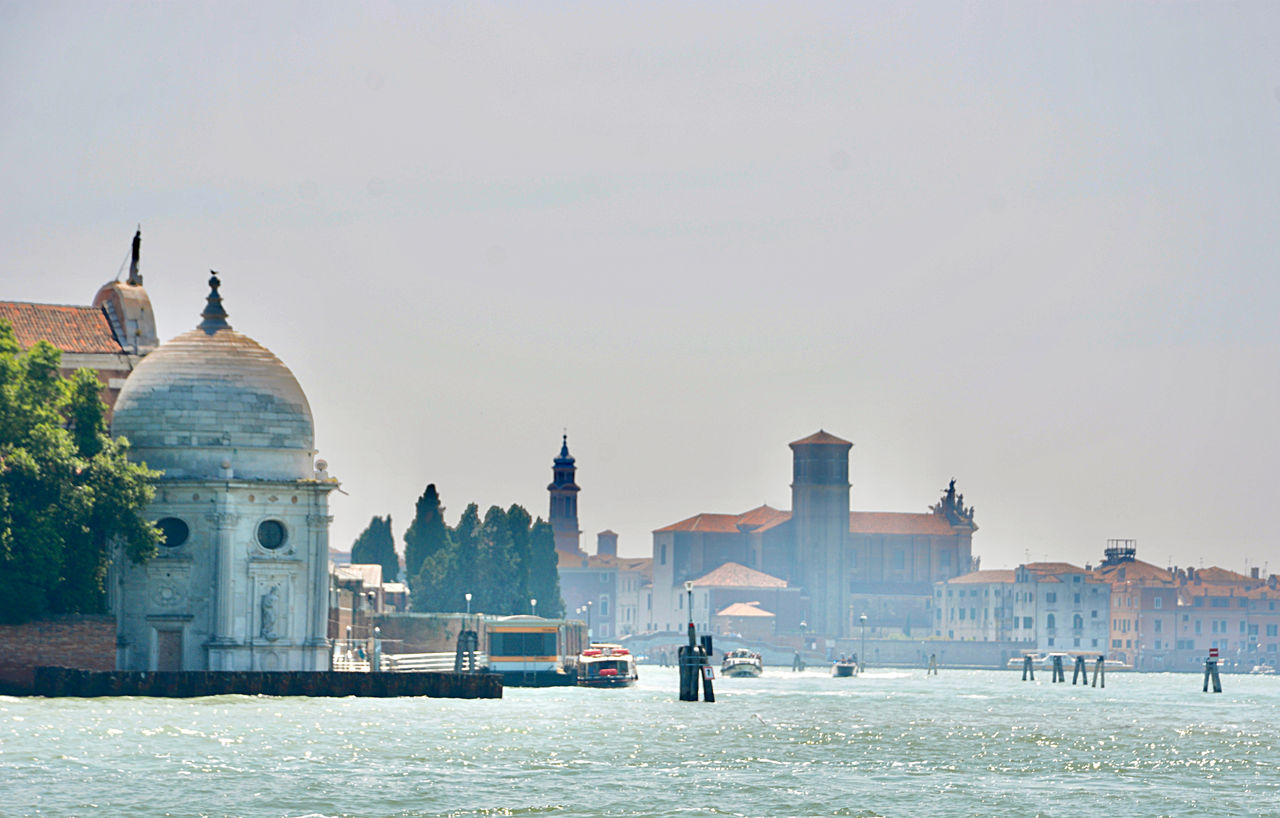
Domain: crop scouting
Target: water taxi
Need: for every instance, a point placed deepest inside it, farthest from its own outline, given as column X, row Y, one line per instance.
column 606, row 665
column 742, row 663
column 844, row 668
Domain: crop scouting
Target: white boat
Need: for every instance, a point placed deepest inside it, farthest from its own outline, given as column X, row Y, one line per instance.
column 742, row 662
column 606, row 665
column 1263, row 670
column 844, row 668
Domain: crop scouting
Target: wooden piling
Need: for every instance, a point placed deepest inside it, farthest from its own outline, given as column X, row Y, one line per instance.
column 1059, row 675
column 933, row 665
column 1100, row 672
column 1081, row 672
column 1028, row 668
column 1211, row 672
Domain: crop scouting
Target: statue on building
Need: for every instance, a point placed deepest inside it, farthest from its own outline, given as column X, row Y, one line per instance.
column 270, row 600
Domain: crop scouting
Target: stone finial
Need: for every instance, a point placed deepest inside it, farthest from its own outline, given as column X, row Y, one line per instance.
column 214, row 315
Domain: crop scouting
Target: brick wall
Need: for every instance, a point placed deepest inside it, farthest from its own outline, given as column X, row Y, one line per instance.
column 87, row 642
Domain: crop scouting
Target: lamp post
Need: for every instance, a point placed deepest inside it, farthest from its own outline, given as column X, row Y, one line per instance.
column 688, row 589
column 804, row 626
column 588, row 620
column 467, row 596
column 533, row 606
column 863, row 662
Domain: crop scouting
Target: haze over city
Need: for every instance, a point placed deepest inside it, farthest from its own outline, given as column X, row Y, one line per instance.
column 1030, row 248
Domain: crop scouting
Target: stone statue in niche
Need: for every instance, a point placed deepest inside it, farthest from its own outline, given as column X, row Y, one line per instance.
column 269, row 609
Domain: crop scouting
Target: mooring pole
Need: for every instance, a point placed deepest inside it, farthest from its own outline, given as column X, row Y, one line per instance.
column 1211, row 672
column 1028, row 668
column 1100, row 672
column 933, row 665
column 1059, row 675
column 1081, row 672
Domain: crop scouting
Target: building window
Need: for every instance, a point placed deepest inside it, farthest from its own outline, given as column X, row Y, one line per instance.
column 1157, row 603
column 1049, row 622
column 271, row 534
column 1050, row 597
column 173, row 532
column 662, row 554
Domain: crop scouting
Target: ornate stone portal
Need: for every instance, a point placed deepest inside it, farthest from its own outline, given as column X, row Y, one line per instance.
column 241, row 582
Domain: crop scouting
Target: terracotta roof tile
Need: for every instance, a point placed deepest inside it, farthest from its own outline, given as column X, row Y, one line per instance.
column 69, row 328
column 820, row 438
column 976, row 577
column 735, row 575
column 1134, row 571
column 744, row 609
column 1224, row 576
column 1053, row 568
column 891, row 522
column 728, row 523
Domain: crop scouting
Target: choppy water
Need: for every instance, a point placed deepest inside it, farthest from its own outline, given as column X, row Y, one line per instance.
column 889, row 743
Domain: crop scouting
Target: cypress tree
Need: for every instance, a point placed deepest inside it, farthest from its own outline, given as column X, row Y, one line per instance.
column 425, row 536
column 376, row 545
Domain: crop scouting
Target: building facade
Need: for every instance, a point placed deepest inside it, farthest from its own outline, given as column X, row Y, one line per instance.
column 241, row 581
column 846, row 563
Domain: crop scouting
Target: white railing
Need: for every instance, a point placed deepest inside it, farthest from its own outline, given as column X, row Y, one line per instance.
column 417, row 662
column 348, row 664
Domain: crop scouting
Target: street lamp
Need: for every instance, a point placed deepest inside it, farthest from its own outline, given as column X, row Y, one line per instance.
column 533, row 605
column 467, row 595
column 588, row 620
column 863, row 620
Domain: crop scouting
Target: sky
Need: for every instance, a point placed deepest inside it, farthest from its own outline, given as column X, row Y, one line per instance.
column 1028, row 246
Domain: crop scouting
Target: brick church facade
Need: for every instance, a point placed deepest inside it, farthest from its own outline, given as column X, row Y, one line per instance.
column 846, row 563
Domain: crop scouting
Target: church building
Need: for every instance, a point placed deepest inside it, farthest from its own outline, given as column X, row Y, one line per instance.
column 846, row 563
column 109, row 336
column 241, row 581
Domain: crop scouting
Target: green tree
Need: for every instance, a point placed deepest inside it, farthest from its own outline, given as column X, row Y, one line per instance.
column 67, row 490
column 377, row 546
column 543, row 570
column 426, row 535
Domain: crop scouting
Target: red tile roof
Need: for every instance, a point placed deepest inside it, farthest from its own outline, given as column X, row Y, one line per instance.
column 820, row 438
column 1223, row 576
column 976, row 577
column 1134, row 571
column 1053, row 568
column 765, row 518
column 744, row 609
column 735, row 575
column 712, row 523
column 69, row 328
column 892, row 522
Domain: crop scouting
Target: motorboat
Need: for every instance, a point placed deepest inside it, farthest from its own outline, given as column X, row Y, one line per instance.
column 742, row 663
column 606, row 665
column 844, row 668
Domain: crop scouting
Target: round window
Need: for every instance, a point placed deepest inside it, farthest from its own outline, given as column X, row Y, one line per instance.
column 173, row 532
column 271, row 534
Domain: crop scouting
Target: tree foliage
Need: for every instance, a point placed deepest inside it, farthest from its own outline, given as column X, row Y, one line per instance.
column 503, row 559
column 377, row 546
column 67, row 489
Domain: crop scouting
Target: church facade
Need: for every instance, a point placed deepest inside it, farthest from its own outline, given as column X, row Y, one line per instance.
column 241, row 581
column 846, row 563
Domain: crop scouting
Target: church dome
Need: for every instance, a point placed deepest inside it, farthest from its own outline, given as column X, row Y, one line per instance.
column 214, row 403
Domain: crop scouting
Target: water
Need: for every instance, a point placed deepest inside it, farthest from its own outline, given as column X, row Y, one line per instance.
column 890, row 743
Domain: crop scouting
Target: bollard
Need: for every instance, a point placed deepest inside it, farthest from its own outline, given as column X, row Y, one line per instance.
column 1028, row 668
column 1081, row 672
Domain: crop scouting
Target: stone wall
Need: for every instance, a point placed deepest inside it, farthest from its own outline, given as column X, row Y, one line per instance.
column 84, row 641
column 58, row 681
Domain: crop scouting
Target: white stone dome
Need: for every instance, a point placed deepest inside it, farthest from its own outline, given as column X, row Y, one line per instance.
column 214, row 403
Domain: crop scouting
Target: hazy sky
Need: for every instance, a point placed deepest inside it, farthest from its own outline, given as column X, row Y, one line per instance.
column 1029, row 246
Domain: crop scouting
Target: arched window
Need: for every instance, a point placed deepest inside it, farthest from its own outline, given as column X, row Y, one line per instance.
column 1077, row 622
column 1050, row 622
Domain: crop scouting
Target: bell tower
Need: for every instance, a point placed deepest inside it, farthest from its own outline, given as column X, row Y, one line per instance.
column 820, row 520
column 564, row 502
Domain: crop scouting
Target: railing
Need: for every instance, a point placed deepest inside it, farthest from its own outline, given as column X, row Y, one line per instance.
column 417, row 662
column 347, row 664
